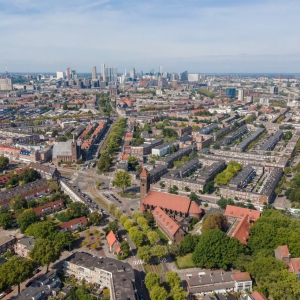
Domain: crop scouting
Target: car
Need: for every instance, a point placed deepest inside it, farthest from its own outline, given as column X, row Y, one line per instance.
column 36, row 271
column 29, row 283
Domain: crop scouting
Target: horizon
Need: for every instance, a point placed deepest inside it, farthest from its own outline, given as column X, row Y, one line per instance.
column 205, row 36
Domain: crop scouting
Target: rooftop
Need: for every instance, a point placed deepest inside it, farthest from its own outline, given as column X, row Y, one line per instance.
column 240, row 212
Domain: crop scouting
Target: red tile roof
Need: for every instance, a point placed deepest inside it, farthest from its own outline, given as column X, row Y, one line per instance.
column 144, row 173
column 194, row 208
column 295, row 263
column 164, row 221
column 67, row 225
column 258, row 296
column 170, row 201
column 242, row 230
column 240, row 212
column 284, row 251
column 241, row 276
column 111, row 238
column 53, row 205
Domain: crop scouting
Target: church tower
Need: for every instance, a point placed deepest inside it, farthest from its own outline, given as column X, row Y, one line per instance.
column 74, row 150
column 144, row 186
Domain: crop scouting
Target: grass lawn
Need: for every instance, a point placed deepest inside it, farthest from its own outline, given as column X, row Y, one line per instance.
column 185, row 262
column 131, row 196
column 162, row 236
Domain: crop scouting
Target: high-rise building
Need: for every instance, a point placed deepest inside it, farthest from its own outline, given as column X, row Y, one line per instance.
column 94, row 73
column 111, row 75
column 132, row 73
column 193, row 77
column 184, row 76
column 231, row 93
column 39, row 77
column 68, row 73
column 160, row 70
column 6, row 84
column 59, row 75
column 274, row 90
column 241, row 94
column 73, row 74
column 103, row 71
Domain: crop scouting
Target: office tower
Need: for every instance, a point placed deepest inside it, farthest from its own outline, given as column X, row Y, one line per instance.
column 59, row 75
column 6, row 84
column 103, row 71
column 231, row 93
column 172, row 77
column 274, row 90
column 111, row 75
column 184, row 76
column 241, row 95
column 160, row 70
column 39, row 77
column 193, row 77
column 68, row 73
column 152, row 72
column 132, row 73
column 73, row 74
column 94, row 73
column 125, row 73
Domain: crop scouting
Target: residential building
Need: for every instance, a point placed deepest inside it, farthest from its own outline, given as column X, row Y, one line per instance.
column 193, row 77
column 94, row 73
column 209, row 282
column 73, row 224
column 47, row 172
column 29, row 191
column 24, row 245
column 49, row 208
column 6, row 84
column 43, row 287
column 117, row 275
column 165, row 148
column 114, row 244
column 59, row 75
column 209, row 172
column 255, row 295
column 243, row 177
column 7, row 241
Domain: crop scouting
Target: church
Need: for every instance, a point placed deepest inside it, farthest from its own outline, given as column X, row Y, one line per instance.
column 172, row 213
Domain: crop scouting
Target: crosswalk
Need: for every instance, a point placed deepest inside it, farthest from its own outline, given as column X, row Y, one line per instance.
column 137, row 262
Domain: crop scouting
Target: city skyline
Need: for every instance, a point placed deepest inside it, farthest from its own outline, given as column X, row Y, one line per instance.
column 197, row 36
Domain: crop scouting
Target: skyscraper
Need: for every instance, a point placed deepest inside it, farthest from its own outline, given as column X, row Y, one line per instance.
column 160, row 70
column 111, row 75
column 103, row 71
column 241, row 95
column 132, row 73
column 94, row 73
column 59, row 75
column 68, row 73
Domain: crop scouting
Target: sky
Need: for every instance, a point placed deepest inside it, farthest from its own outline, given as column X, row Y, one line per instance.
column 200, row 36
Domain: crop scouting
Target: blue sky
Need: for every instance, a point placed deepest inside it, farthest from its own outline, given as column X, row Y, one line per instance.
column 194, row 35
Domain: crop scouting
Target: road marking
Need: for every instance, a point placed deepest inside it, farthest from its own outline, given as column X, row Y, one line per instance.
column 137, row 262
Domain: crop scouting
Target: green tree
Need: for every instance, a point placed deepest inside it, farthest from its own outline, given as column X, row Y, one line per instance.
column 128, row 224
column 27, row 218
column 173, row 279
column 76, row 210
column 112, row 226
column 63, row 239
column 215, row 221
column 104, row 163
column 45, row 252
column 18, row 203
column 122, row 179
column 151, row 279
column 158, row 293
column 194, row 197
column 95, row 218
column 112, row 208
column 216, row 250
column 4, row 161
column 6, row 220
column 153, row 237
column 159, row 251
column 41, row 229
column 178, row 293
column 132, row 162
column 125, row 249
column 136, row 215
column 137, row 238
column 15, row 271
column 118, row 213
column 189, row 243
column 142, row 221
column 123, row 219
column 209, row 187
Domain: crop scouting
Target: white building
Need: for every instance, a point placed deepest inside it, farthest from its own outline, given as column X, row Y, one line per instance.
column 193, row 77
column 241, row 95
column 5, row 84
column 59, row 75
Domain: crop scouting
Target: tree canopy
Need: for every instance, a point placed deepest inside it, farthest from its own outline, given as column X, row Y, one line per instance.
column 224, row 177
column 27, row 218
column 122, row 179
column 215, row 221
column 152, row 280
column 4, row 161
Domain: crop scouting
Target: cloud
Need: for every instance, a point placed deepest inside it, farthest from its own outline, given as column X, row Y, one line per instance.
column 180, row 35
